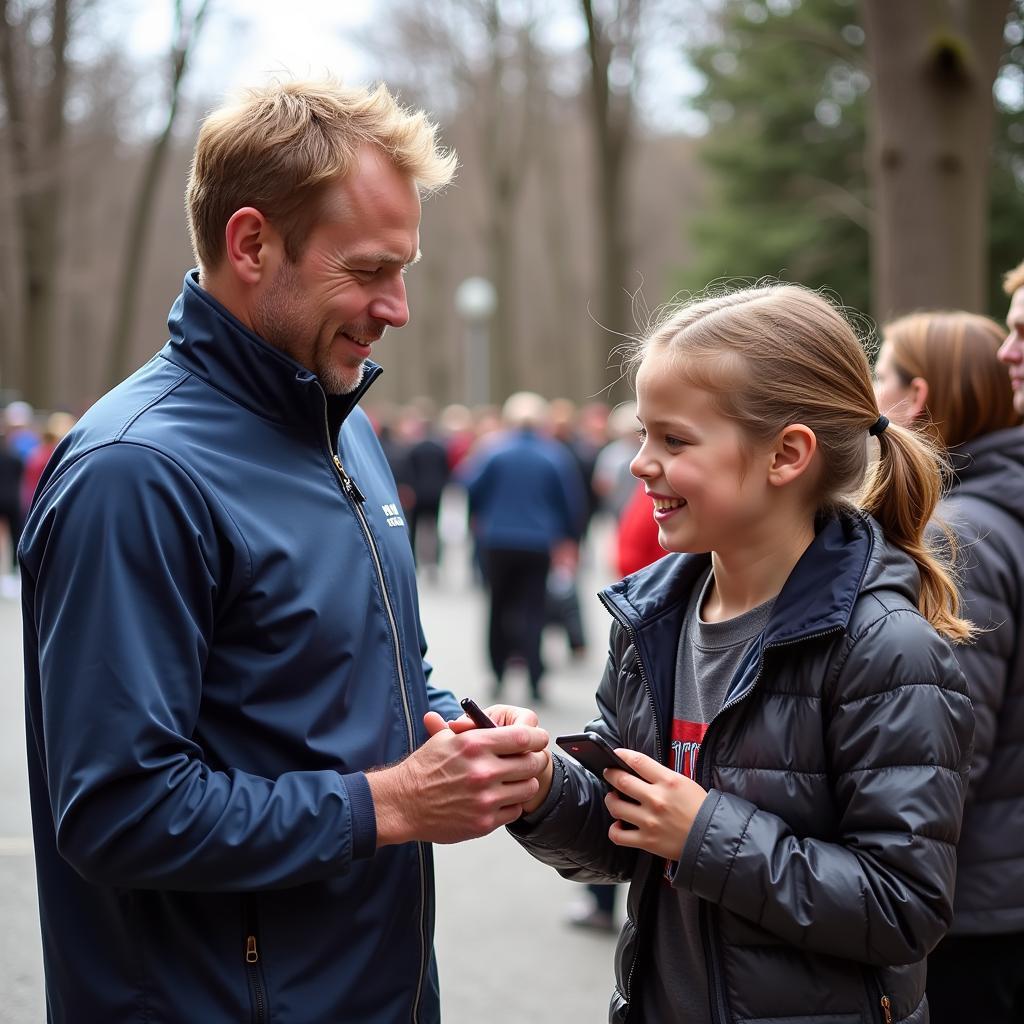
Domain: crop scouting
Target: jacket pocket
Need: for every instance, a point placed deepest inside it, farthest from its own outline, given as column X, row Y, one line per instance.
column 259, row 1007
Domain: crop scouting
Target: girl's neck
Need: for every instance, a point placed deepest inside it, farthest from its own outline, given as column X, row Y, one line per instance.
column 747, row 577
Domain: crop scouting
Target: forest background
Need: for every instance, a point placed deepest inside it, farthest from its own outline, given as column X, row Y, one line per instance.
column 613, row 153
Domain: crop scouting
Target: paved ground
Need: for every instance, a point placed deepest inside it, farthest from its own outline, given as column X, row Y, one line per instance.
column 504, row 951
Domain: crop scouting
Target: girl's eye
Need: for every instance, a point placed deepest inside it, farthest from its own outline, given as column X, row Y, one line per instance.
column 674, row 442
column 641, row 434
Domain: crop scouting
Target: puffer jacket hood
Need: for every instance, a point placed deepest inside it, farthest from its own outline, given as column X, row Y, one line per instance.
column 985, row 508
column 221, row 636
column 836, row 771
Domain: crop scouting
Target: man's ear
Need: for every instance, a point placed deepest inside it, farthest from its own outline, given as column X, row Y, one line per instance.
column 793, row 453
column 917, row 398
column 253, row 247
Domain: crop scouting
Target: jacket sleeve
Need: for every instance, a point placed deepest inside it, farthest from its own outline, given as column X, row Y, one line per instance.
column 127, row 568
column 569, row 831
column 991, row 594
column 898, row 728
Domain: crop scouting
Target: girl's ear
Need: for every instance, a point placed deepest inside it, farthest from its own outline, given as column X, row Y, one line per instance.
column 792, row 455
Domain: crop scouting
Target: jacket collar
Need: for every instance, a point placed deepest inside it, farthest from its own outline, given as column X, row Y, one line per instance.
column 818, row 596
column 208, row 340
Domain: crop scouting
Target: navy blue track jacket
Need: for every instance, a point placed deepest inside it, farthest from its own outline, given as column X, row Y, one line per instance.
column 221, row 635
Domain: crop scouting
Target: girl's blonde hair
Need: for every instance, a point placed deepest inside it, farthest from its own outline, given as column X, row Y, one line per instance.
column 278, row 146
column 969, row 393
column 779, row 354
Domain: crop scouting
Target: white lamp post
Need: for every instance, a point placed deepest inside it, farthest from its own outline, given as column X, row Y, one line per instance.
column 475, row 300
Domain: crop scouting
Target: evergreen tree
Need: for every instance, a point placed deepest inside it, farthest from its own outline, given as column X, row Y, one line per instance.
column 785, row 85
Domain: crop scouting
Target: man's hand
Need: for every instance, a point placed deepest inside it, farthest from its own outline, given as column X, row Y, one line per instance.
column 505, row 714
column 462, row 783
column 665, row 808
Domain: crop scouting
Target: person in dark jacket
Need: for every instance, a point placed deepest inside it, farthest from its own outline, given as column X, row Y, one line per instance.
column 233, row 790
column 526, row 503
column 782, row 685
column 429, row 474
column 940, row 372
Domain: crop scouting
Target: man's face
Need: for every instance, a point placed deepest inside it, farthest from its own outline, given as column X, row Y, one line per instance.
column 328, row 308
column 1012, row 351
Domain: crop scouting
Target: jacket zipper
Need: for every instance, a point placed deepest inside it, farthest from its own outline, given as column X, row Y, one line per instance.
column 710, row 930
column 886, row 1009
column 357, row 500
column 253, row 967
column 645, row 679
column 711, row 925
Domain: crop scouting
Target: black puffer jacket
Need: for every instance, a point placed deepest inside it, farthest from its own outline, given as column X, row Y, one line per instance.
column 986, row 509
column 836, row 771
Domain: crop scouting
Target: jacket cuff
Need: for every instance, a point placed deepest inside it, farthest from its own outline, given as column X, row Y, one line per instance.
column 719, row 831
column 363, row 815
column 683, row 876
column 524, row 824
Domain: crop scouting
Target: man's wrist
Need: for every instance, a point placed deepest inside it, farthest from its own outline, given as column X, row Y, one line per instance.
column 388, row 793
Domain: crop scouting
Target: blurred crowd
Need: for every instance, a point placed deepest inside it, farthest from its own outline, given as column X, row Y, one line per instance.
column 27, row 441
column 525, row 481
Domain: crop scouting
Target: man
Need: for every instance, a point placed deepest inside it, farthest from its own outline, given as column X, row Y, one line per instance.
column 221, row 628
column 1012, row 352
column 526, row 503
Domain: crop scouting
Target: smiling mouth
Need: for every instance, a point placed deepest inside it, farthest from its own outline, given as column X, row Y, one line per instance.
column 664, row 505
column 361, row 342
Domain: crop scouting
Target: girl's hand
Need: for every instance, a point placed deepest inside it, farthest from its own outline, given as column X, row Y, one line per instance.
column 664, row 811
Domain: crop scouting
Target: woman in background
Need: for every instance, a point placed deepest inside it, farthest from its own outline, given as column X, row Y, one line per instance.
column 939, row 372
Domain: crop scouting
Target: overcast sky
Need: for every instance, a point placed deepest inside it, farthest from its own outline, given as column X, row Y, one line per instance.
column 244, row 42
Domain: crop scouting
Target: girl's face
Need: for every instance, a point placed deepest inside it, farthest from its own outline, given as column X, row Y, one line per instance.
column 709, row 486
column 893, row 396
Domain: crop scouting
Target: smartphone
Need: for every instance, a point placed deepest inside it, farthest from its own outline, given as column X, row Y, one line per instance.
column 476, row 713
column 594, row 752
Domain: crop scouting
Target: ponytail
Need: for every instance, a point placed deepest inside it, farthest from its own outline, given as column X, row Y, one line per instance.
column 901, row 491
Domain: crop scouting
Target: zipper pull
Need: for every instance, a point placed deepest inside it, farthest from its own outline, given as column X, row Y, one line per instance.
column 251, row 956
column 349, row 484
column 887, row 1009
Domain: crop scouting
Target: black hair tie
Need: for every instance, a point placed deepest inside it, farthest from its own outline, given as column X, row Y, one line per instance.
column 878, row 426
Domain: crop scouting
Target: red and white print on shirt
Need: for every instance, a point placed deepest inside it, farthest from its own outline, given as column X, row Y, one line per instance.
column 686, row 740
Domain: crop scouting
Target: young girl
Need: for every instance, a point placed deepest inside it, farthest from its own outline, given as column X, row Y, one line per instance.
column 784, row 688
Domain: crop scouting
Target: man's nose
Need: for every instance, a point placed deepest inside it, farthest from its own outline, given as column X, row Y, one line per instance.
column 1010, row 350
column 392, row 305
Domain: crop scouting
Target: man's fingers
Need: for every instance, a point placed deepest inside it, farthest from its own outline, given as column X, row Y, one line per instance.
column 434, row 723
column 518, row 767
column 514, row 739
column 508, row 714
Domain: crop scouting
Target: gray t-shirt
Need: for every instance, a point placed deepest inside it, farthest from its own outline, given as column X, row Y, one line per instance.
column 674, row 989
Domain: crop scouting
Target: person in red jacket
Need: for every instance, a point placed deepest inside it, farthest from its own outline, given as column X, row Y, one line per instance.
column 636, row 537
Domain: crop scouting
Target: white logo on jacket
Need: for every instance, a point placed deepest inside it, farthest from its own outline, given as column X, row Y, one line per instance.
column 393, row 515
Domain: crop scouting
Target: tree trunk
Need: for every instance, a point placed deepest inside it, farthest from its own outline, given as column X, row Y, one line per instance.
column 933, row 64
column 612, row 126
column 38, row 190
column 119, row 363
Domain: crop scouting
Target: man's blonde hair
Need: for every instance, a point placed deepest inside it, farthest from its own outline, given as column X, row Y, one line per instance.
column 1014, row 279
column 277, row 147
